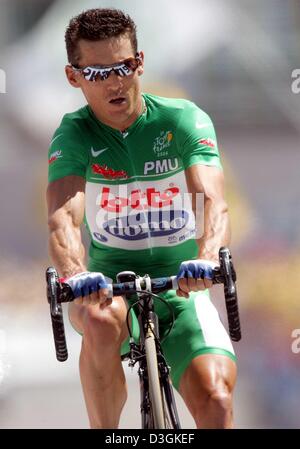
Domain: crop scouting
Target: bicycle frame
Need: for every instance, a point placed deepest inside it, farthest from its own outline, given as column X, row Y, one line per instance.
column 149, row 328
column 148, row 321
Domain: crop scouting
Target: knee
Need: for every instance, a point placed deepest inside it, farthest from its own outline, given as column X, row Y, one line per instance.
column 220, row 398
column 214, row 409
column 102, row 328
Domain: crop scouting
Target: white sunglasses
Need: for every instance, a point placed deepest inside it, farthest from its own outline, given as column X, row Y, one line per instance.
column 123, row 68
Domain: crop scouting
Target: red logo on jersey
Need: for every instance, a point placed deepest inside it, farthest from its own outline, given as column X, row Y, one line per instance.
column 54, row 156
column 109, row 173
column 137, row 199
column 209, row 142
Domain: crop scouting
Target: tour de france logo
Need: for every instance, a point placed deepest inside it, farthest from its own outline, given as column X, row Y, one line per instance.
column 162, row 142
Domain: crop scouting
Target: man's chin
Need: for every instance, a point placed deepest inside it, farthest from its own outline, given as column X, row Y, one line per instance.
column 120, row 116
column 121, row 110
column 119, row 119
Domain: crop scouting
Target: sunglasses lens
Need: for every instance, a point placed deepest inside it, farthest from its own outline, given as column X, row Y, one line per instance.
column 87, row 74
column 132, row 64
column 104, row 74
column 121, row 72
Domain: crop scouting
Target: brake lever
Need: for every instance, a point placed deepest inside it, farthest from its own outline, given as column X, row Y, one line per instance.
column 52, row 281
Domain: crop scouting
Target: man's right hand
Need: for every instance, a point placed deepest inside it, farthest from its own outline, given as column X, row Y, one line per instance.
column 88, row 288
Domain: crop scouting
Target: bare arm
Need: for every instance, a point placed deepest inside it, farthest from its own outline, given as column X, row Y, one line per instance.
column 210, row 181
column 65, row 199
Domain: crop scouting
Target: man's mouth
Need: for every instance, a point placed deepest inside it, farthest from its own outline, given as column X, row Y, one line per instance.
column 117, row 100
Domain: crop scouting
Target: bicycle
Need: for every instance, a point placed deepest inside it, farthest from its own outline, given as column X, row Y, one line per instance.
column 158, row 407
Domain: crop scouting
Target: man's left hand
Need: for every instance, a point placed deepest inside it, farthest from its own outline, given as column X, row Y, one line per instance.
column 195, row 275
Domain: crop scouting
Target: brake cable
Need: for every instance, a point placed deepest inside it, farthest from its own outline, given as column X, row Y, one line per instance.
column 154, row 295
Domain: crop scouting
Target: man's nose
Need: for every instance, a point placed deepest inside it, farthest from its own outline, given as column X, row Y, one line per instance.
column 114, row 83
column 115, row 78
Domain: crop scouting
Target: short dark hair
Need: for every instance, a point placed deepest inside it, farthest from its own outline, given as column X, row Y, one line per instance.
column 98, row 24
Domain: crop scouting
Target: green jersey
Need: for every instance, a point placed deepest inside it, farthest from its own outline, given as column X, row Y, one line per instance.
column 137, row 210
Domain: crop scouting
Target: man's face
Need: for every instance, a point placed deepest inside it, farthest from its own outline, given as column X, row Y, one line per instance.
column 115, row 101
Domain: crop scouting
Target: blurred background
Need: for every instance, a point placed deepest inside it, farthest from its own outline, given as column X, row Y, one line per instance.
column 235, row 60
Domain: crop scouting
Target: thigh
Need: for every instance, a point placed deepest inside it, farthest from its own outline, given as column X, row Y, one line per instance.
column 115, row 311
column 198, row 330
column 120, row 309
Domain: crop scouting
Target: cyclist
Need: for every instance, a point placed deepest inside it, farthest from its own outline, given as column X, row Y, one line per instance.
column 122, row 164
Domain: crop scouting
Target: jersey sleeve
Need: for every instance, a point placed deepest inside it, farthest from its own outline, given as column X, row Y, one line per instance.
column 197, row 138
column 67, row 154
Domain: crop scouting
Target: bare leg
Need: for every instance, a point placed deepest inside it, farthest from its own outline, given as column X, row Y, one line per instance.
column 206, row 387
column 101, row 372
column 104, row 389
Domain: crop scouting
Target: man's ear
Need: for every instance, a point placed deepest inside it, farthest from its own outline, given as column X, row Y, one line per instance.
column 141, row 66
column 72, row 76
